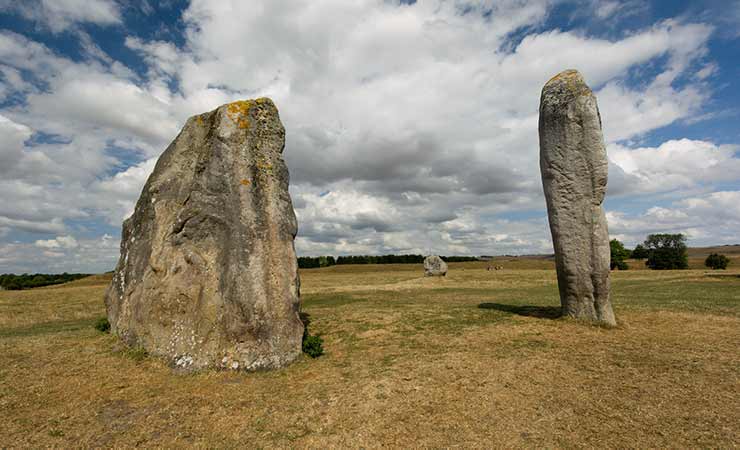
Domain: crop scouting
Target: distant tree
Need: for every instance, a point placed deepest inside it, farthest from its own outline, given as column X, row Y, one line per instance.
column 618, row 255
column 716, row 261
column 666, row 251
column 640, row 252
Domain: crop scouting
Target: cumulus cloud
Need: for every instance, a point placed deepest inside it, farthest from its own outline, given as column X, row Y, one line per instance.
column 55, row 256
column 61, row 15
column 58, row 242
column 119, row 192
column 676, row 164
column 409, row 127
column 706, row 220
column 54, row 225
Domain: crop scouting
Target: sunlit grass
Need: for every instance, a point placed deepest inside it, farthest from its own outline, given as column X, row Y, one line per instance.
column 476, row 359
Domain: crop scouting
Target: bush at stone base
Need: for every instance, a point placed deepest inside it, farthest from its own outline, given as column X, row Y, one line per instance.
column 313, row 346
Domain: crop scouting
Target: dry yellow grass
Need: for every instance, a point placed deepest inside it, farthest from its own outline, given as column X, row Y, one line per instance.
column 472, row 360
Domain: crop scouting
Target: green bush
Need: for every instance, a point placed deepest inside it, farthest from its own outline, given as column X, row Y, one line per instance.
column 716, row 261
column 313, row 346
column 102, row 325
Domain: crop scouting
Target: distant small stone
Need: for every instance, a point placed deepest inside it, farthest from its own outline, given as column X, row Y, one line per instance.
column 434, row 266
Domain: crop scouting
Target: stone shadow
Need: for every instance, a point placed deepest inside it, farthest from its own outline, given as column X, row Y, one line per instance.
column 541, row 312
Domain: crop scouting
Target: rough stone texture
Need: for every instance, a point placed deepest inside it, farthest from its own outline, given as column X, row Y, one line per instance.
column 434, row 266
column 574, row 169
column 208, row 275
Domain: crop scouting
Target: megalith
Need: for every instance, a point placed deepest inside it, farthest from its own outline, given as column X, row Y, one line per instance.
column 434, row 266
column 574, row 170
column 208, row 275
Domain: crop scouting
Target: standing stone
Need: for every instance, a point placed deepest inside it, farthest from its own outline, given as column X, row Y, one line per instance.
column 208, row 275
column 434, row 266
column 574, row 170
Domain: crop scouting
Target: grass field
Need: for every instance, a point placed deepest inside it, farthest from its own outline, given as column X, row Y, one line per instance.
column 476, row 359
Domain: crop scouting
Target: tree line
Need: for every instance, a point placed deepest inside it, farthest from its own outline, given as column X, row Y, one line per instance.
column 14, row 282
column 311, row 262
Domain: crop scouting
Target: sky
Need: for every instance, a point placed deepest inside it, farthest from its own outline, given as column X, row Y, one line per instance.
column 411, row 127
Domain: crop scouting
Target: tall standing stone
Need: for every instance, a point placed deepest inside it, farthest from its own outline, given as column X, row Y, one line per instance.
column 208, row 275
column 574, row 170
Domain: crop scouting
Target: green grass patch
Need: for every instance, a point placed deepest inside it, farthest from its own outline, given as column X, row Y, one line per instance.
column 329, row 300
column 138, row 354
column 61, row 326
column 712, row 296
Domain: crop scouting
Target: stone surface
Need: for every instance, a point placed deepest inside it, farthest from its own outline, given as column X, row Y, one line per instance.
column 208, row 275
column 574, row 169
column 434, row 266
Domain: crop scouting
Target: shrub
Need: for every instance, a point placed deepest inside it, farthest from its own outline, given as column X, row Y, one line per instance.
column 716, row 261
column 618, row 255
column 311, row 345
column 666, row 251
column 102, row 325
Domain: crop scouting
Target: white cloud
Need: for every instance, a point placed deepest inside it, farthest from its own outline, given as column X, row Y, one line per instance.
column 710, row 219
column 676, row 164
column 11, row 148
column 120, row 192
column 55, row 225
column 707, row 71
column 419, row 121
column 61, row 15
column 85, row 256
column 58, row 242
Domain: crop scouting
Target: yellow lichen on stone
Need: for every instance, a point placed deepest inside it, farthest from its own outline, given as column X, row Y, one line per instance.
column 572, row 80
column 199, row 120
column 239, row 107
column 245, row 182
column 569, row 74
column 238, row 112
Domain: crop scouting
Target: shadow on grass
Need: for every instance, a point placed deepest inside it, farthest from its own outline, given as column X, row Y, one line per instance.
column 541, row 312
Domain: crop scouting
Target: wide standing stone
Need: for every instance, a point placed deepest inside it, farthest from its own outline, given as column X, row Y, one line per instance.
column 208, row 275
column 574, row 170
column 434, row 266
